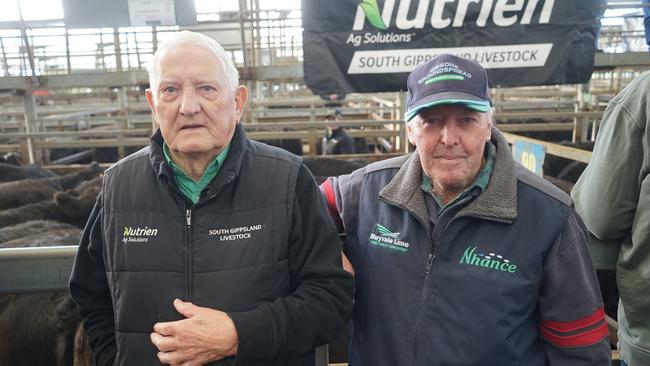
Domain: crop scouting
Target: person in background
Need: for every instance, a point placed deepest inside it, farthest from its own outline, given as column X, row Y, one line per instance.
column 461, row 255
column 336, row 139
column 613, row 197
column 206, row 247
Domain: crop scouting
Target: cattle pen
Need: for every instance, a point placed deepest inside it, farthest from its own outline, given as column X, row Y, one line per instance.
column 74, row 78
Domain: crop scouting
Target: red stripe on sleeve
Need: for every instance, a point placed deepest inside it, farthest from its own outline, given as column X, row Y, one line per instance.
column 330, row 198
column 587, row 338
column 571, row 326
column 329, row 194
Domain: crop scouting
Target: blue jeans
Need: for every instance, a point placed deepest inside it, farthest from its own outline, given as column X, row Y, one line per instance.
column 623, row 363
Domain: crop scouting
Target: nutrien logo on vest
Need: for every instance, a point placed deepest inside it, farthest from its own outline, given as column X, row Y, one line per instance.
column 383, row 237
column 138, row 234
column 489, row 261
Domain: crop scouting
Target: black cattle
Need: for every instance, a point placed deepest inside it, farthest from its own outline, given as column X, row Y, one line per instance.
column 293, row 146
column 41, row 231
column 11, row 158
column 95, row 182
column 18, row 193
column 65, row 207
column 42, row 329
column 566, row 169
column 10, row 172
column 71, row 341
column 27, row 329
column 322, row 168
column 562, row 184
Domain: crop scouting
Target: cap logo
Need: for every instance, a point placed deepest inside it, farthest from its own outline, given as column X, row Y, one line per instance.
column 444, row 71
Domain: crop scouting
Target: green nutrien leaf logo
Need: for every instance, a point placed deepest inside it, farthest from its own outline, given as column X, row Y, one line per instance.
column 138, row 234
column 371, row 10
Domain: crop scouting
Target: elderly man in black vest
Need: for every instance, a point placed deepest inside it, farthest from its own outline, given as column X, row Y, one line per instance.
column 206, row 247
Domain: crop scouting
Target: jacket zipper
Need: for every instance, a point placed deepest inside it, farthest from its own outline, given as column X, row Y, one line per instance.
column 427, row 273
column 431, row 256
column 430, row 259
column 188, row 254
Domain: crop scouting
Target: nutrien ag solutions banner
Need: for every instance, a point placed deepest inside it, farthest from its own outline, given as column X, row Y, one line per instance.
column 372, row 45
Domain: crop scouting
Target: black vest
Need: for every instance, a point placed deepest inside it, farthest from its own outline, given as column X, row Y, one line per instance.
column 228, row 251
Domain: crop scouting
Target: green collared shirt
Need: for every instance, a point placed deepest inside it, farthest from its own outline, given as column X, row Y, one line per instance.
column 481, row 181
column 191, row 188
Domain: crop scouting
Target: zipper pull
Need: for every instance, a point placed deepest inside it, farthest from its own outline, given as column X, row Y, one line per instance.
column 430, row 262
column 188, row 217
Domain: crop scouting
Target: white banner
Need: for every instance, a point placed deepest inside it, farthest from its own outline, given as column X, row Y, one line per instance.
column 490, row 57
column 152, row 12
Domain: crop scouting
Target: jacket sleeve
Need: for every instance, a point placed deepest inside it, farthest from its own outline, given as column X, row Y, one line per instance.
column 319, row 307
column 341, row 196
column 611, row 181
column 89, row 290
column 572, row 320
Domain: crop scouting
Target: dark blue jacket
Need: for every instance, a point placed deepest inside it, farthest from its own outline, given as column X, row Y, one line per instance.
column 502, row 277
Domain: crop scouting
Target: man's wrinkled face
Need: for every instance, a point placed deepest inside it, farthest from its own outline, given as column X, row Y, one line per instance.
column 194, row 105
column 450, row 141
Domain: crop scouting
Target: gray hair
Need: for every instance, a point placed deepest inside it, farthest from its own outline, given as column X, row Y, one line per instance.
column 187, row 37
column 490, row 115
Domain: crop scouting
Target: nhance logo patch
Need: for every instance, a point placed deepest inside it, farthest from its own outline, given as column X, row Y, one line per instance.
column 383, row 237
column 489, row 261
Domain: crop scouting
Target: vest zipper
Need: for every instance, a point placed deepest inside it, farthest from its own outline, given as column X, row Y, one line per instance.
column 188, row 256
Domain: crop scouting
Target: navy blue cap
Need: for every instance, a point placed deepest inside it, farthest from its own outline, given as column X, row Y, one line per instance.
column 447, row 79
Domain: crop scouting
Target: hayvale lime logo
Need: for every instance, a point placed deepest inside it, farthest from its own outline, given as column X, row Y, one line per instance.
column 490, row 261
column 384, row 237
column 371, row 10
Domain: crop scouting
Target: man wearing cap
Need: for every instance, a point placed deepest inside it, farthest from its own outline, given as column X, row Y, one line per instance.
column 462, row 256
column 336, row 139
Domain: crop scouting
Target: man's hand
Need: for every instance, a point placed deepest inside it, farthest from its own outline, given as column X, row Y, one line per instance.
column 346, row 264
column 206, row 335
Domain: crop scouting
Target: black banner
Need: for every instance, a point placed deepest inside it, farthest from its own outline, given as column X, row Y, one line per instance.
column 372, row 45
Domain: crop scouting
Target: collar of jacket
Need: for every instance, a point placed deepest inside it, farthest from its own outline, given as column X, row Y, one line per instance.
column 228, row 172
column 497, row 202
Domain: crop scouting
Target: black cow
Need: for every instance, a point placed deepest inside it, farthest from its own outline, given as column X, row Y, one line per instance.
column 10, row 172
column 18, row 193
column 65, row 207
